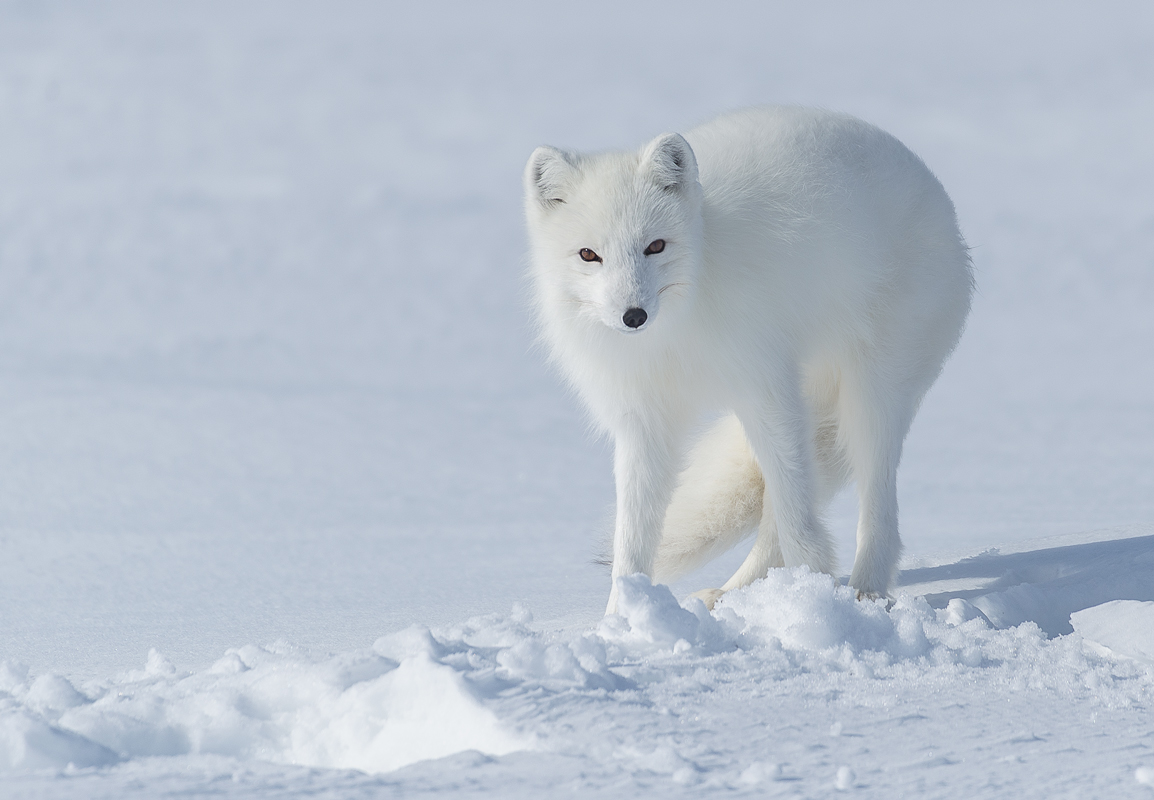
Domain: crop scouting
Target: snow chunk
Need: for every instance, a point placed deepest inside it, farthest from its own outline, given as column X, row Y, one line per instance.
column 1122, row 627
column 760, row 772
column 53, row 693
column 959, row 610
column 29, row 742
column 420, row 710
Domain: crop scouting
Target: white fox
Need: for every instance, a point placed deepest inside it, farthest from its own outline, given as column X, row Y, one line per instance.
column 799, row 272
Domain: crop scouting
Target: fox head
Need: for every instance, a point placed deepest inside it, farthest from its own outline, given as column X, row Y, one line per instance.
column 614, row 235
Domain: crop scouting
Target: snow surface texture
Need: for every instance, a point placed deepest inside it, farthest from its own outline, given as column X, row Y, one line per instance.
column 267, row 393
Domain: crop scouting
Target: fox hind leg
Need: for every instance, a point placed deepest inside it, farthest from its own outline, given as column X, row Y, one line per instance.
column 874, row 425
column 832, row 471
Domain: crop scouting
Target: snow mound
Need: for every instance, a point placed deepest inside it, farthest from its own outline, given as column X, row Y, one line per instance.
column 358, row 710
column 807, row 612
column 495, row 684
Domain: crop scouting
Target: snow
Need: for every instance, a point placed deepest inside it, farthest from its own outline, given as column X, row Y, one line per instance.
column 1121, row 627
column 289, row 506
column 664, row 694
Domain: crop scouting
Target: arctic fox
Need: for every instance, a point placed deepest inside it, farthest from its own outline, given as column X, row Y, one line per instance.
column 799, row 273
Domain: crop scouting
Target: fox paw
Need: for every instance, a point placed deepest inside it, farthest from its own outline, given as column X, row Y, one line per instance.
column 876, row 596
column 708, row 596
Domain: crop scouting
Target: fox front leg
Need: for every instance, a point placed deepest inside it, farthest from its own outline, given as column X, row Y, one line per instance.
column 645, row 471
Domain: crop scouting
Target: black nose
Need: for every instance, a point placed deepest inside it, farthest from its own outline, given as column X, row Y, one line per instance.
column 634, row 317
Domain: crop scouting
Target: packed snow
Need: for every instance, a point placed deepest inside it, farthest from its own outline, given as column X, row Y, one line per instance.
column 290, row 506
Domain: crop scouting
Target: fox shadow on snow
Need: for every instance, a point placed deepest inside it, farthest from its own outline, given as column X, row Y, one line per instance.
column 1045, row 585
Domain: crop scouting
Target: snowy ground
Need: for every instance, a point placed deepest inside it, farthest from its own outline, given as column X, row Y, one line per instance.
column 268, row 403
column 790, row 687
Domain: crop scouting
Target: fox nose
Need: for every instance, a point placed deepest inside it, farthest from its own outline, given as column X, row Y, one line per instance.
column 634, row 317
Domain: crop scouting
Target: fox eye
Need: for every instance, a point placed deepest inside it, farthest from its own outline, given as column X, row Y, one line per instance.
column 588, row 255
column 656, row 246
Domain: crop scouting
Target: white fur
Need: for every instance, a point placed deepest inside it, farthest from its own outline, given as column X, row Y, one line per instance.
column 812, row 284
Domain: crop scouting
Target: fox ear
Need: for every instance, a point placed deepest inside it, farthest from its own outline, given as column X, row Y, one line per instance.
column 670, row 161
column 547, row 176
